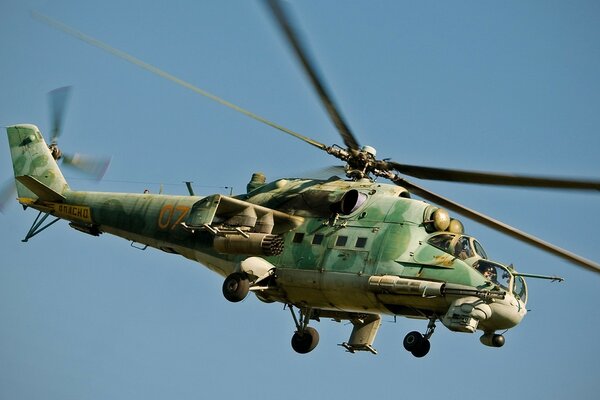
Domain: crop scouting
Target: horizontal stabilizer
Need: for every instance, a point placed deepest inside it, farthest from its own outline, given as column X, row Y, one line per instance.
column 42, row 191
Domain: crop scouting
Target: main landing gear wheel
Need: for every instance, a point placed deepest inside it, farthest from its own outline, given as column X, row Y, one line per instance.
column 236, row 287
column 305, row 338
column 305, row 342
column 417, row 344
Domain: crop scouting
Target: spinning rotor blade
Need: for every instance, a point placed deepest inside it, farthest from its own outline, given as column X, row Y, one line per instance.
column 148, row 67
column 8, row 192
column 324, row 173
column 57, row 100
column 285, row 23
column 92, row 166
column 385, row 167
column 488, row 178
column 497, row 225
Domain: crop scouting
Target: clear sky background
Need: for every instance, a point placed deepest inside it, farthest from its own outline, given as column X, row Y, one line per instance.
column 507, row 86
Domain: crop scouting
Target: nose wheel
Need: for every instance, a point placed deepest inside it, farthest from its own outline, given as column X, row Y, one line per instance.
column 236, row 287
column 417, row 343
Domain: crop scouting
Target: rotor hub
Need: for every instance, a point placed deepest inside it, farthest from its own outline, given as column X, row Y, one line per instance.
column 55, row 151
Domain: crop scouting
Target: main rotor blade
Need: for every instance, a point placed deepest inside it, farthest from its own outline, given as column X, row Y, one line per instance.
column 157, row 71
column 489, row 178
column 285, row 23
column 499, row 226
column 57, row 100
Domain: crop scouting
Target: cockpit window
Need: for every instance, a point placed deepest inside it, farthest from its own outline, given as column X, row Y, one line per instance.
column 495, row 273
column 442, row 241
column 520, row 290
column 479, row 249
column 462, row 248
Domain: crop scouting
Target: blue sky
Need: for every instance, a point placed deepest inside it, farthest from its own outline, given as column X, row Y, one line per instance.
column 502, row 86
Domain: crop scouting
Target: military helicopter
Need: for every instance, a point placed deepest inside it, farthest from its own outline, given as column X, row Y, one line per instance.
column 347, row 249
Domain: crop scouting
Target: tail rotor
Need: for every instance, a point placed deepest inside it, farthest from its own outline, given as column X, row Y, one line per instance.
column 92, row 166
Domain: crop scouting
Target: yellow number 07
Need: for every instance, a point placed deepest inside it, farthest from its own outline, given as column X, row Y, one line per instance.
column 171, row 216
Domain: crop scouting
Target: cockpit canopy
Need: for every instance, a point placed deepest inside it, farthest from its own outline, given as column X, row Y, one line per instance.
column 460, row 246
column 468, row 248
column 494, row 273
column 503, row 277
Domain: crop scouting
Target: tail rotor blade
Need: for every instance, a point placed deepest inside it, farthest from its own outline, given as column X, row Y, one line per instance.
column 92, row 166
column 8, row 192
column 57, row 100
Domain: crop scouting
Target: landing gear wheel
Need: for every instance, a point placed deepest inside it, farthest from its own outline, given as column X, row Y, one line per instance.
column 236, row 287
column 413, row 340
column 305, row 342
column 422, row 349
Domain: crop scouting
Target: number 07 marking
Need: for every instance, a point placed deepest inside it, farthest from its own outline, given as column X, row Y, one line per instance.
column 171, row 216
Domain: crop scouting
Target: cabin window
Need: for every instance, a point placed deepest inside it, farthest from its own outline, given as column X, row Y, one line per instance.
column 318, row 238
column 298, row 237
column 341, row 241
column 361, row 242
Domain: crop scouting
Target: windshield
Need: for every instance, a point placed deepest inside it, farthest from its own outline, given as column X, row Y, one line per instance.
column 495, row 273
column 460, row 246
column 463, row 249
column 479, row 249
column 520, row 289
column 442, row 241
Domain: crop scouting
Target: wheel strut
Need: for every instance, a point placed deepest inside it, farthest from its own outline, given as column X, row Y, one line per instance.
column 302, row 320
column 430, row 327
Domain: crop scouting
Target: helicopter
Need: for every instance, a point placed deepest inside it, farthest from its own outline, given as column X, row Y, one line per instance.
column 343, row 249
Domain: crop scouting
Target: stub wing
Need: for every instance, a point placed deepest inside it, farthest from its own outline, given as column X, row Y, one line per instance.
column 219, row 210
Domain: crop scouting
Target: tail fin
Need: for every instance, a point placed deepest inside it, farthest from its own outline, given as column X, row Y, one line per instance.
column 31, row 157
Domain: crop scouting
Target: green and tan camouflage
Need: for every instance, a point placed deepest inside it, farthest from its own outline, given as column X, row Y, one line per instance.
column 342, row 249
column 349, row 250
column 31, row 157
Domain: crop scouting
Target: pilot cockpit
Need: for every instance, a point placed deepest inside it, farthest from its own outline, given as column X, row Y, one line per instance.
column 469, row 249
column 460, row 246
column 495, row 273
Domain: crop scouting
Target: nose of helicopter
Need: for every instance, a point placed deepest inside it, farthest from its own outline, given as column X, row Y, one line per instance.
column 506, row 314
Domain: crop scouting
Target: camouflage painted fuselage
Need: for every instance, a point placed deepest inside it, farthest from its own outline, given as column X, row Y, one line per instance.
column 331, row 261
